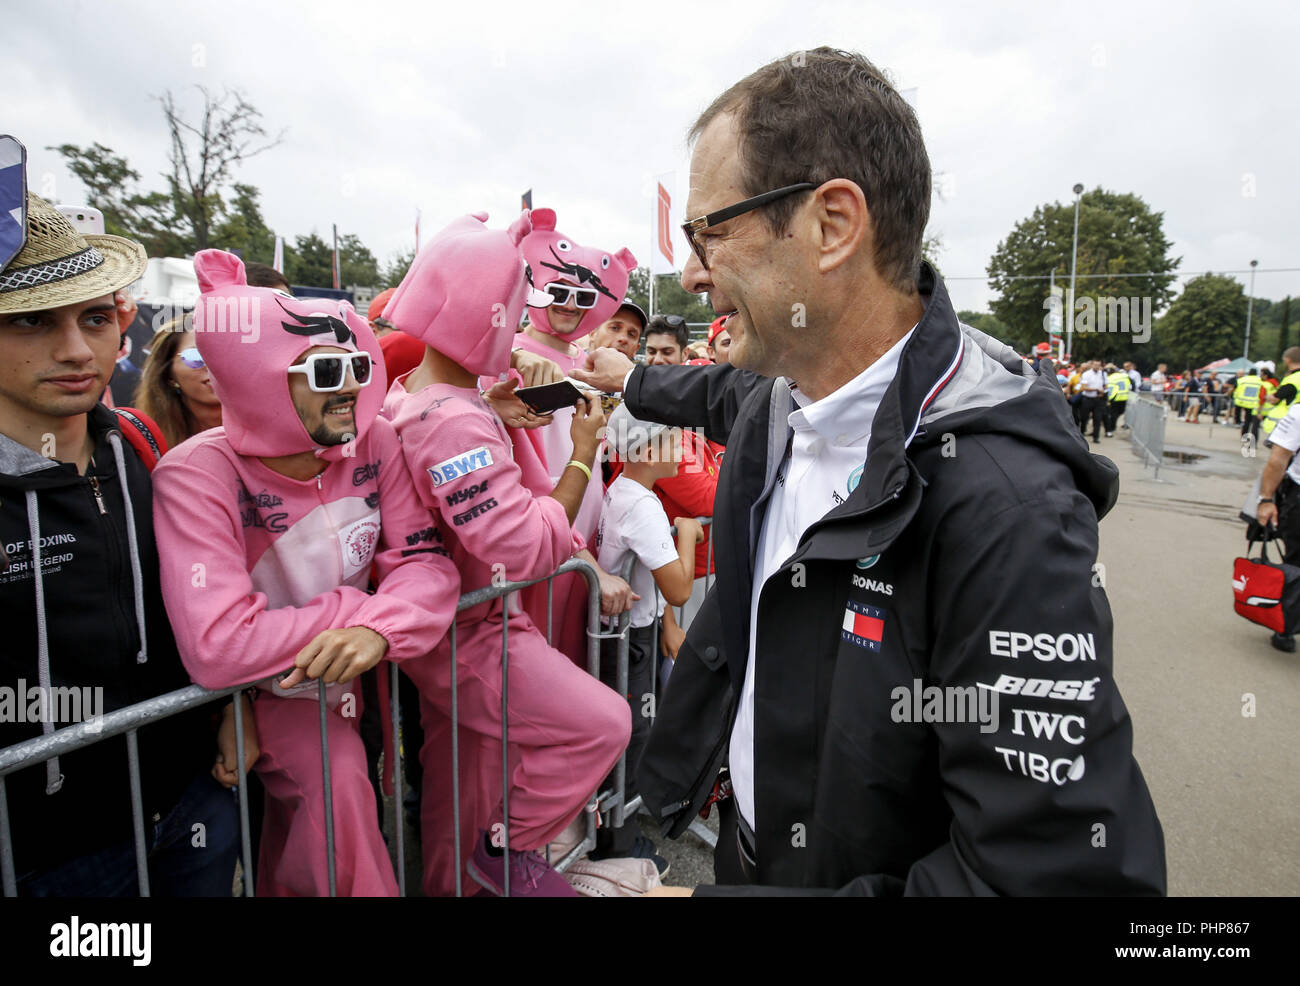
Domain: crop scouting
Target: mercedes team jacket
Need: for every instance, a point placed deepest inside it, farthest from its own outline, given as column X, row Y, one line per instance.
column 957, row 579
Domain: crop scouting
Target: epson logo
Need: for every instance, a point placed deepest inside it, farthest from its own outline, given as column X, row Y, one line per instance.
column 1044, row 646
column 865, row 583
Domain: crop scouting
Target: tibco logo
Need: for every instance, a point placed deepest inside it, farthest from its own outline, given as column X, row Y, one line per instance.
column 1041, row 769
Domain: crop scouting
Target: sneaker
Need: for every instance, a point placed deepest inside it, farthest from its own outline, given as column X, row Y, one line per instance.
column 642, row 848
column 1284, row 642
column 1110, row 434
column 530, row 874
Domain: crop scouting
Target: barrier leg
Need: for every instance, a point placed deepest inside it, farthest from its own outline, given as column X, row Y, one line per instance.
column 244, row 840
column 328, row 791
column 455, row 768
column 6, row 846
column 137, row 812
column 399, row 788
column 505, row 742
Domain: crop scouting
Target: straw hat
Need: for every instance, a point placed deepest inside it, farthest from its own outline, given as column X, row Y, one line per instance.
column 59, row 266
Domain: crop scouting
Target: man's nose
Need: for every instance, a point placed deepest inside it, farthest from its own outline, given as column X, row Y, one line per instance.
column 70, row 344
column 695, row 278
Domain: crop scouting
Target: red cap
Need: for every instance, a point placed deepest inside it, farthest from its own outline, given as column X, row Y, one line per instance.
column 715, row 327
column 1043, row 348
column 699, row 362
column 377, row 305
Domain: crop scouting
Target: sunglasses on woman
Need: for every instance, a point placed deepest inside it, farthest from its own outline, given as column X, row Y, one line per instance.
column 562, row 293
column 326, row 372
column 191, row 358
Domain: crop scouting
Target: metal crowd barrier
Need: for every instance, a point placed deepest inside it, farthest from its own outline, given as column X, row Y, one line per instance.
column 1146, row 429
column 128, row 720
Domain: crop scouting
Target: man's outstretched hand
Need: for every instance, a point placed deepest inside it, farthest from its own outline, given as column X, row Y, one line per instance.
column 605, row 370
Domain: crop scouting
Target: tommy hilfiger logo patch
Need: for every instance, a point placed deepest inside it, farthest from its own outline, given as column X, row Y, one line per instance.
column 863, row 625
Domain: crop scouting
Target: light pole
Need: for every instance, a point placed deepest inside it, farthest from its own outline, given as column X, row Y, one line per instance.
column 1074, row 259
column 1250, row 304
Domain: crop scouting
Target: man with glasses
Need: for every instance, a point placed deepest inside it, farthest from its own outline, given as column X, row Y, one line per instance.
column 270, row 530
column 905, row 661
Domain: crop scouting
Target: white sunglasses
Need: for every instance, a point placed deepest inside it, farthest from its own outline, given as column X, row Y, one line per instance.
column 326, row 372
column 562, row 294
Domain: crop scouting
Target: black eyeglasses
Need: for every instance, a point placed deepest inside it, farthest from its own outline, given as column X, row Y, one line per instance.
column 732, row 211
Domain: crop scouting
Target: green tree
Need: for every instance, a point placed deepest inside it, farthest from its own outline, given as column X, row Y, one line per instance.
column 244, row 229
column 1282, row 331
column 1205, row 322
column 110, row 185
column 203, row 156
column 398, row 264
column 1118, row 235
column 309, row 262
column 670, row 297
column 357, row 263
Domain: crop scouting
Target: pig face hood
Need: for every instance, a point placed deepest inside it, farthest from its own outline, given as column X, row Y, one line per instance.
column 249, row 337
column 552, row 256
column 465, row 293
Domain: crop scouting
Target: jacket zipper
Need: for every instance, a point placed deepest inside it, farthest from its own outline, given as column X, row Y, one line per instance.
column 99, row 500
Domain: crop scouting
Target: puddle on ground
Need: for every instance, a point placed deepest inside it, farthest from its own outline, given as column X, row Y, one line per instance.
column 1182, row 458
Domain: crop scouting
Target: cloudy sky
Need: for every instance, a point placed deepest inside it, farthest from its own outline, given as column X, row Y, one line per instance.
column 448, row 108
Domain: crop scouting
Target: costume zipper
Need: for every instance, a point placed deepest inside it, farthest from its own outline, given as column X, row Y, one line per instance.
column 99, row 500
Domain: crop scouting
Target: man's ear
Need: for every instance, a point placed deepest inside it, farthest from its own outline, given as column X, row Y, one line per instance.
column 844, row 223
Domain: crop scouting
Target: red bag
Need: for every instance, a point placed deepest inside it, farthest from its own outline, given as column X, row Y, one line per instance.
column 1265, row 592
column 143, row 435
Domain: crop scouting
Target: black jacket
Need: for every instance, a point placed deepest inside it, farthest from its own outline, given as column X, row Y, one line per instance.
column 94, row 641
column 974, row 543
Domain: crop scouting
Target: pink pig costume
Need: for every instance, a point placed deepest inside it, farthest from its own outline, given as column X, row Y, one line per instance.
column 553, row 256
column 463, row 296
column 255, row 564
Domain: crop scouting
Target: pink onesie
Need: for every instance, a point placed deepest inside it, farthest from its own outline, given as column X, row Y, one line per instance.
column 463, row 296
column 553, row 257
column 255, row 565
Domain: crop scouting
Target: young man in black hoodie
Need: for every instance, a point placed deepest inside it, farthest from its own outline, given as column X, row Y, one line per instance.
column 905, row 662
column 79, row 596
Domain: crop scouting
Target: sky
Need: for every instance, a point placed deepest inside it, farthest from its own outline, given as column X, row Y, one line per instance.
column 394, row 107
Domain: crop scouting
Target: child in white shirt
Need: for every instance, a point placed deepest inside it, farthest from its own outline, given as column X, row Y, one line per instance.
column 632, row 523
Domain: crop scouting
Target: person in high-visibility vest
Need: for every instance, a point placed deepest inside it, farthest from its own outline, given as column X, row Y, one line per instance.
column 1247, row 396
column 1281, row 400
column 1118, row 385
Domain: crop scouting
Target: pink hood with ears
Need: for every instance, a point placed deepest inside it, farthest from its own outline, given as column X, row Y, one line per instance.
column 250, row 336
column 552, row 256
column 465, row 293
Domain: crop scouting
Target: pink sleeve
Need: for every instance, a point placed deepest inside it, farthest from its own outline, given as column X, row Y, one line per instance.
column 419, row 586
column 467, row 476
column 224, row 631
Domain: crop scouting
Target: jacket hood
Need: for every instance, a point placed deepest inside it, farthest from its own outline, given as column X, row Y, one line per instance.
column 955, row 380
column 552, row 256
column 250, row 336
column 464, row 294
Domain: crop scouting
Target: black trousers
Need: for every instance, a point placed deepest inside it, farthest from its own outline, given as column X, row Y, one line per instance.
column 1288, row 519
column 641, row 664
column 734, row 857
column 1093, row 409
